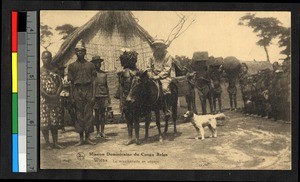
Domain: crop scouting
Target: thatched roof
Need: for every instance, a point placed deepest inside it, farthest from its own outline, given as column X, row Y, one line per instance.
column 254, row 66
column 106, row 22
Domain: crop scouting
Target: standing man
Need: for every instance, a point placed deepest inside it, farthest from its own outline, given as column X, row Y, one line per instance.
column 102, row 99
column 161, row 65
column 50, row 103
column 243, row 78
column 203, row 82
column 276, row 94
column 82, row 74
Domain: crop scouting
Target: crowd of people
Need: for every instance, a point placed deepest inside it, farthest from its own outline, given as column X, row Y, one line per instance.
column 268, row 92
column 85, row 92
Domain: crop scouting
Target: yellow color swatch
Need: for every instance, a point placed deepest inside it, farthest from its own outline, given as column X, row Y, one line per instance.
column 15, row 72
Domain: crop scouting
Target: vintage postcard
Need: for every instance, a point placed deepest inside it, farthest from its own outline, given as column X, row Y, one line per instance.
column 179, row 90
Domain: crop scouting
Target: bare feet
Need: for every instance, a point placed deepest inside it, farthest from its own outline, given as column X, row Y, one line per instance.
column 79, row 143
column 131, row 141
column 48, row 146
column 102, row 135
column 57, row 146
column 98, row 135
column 138, row 142
column 89, row 141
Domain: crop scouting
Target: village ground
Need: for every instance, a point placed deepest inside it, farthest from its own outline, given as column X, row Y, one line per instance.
column 243, row 142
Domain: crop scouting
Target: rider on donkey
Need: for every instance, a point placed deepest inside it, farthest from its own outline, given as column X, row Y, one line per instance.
column 161, row 65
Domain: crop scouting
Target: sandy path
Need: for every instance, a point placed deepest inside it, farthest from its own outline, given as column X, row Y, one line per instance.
column 243, row 142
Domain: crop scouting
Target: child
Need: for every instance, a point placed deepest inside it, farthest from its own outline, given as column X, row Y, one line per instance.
column 50, row 104
column 102, row 99
column 232, row 93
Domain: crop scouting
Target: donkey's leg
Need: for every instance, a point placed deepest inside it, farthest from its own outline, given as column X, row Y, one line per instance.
column 147, row 123
column 158, row 125
column 137, row 130
column 130, row 128
column 166, row 124
column 168, row 101
column 174, row 117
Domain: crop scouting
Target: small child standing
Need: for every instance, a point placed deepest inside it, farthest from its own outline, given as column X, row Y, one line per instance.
column 231, row 89
column 102, row 98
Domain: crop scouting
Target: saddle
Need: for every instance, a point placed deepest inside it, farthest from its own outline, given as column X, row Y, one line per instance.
column 156, row 91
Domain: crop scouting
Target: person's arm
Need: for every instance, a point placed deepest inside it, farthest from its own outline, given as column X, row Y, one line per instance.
column 94, row 76
column 167, row 68
column 60, row 86
column 70, row 78
column 150, row 63
column 94, row 88
column 106, row 85
column 150, row 68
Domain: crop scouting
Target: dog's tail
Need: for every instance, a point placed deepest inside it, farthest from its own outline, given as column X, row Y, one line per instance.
column 220, row 116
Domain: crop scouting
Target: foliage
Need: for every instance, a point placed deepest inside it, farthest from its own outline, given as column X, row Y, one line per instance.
column 266, row 29
column 285, row 41
column 45, row 36
column 65, row 30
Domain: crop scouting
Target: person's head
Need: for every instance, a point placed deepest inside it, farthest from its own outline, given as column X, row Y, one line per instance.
column 275, row 66
column 97, row 61
column 286, row 65
column 128, row 59
column 80, row 50
column 61, row 70
column 159, row 48
column 244, row 68
column 200, row 61
column 47, row 58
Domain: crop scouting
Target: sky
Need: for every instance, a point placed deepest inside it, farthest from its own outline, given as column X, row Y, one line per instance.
column 216, row 32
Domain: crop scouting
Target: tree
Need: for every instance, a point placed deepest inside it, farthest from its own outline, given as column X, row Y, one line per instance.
column 285, row 41
column 65, row 30
column 179, row 28
column 265, row 28
column 46, row 35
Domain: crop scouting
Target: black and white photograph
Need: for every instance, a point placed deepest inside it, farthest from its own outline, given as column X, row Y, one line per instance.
column 165, row 90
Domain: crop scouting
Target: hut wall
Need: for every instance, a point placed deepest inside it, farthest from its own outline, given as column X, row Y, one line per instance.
column 109, row 48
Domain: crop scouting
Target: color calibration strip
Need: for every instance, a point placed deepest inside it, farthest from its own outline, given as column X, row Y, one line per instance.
column 24, row 92
column 14, row 48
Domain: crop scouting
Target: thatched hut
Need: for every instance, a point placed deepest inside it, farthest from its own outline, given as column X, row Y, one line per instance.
column 106, row 34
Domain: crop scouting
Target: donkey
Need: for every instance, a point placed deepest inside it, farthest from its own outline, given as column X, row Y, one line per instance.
column 146, row 95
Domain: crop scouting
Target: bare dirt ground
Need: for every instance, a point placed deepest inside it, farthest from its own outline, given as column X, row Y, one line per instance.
column 243, row 142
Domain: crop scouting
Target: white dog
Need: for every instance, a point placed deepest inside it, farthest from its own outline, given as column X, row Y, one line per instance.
column 201, row 121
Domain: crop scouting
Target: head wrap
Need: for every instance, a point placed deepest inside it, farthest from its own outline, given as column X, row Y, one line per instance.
column 128, row 57
column 80, row 45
